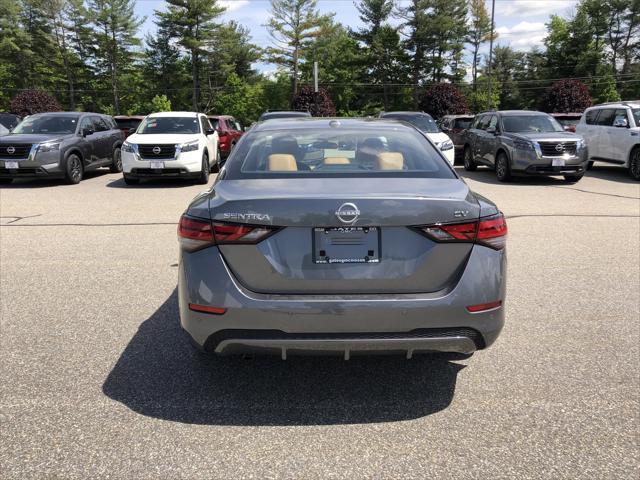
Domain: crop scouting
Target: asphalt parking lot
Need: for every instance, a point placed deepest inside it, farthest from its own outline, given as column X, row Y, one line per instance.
column 97, row 380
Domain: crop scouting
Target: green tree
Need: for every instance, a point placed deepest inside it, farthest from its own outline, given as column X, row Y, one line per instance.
column 240, row 99
column 160, row 103
column 479, row 33
column 115, row 28
column 294, row 26
column 193, row 24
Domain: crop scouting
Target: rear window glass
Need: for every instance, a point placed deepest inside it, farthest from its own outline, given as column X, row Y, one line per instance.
column 328, row 152
column 128, row 123
column 422, row 122
column 462, row 123
column 176, row 125
column 590, row 117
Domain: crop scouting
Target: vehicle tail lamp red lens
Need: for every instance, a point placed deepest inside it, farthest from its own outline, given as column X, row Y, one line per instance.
column 197, row 233
column 207, row 309
column 488, row 231
column 484, row 307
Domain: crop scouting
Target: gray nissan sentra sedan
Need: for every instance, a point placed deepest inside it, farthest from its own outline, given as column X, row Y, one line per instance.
column 341, row 236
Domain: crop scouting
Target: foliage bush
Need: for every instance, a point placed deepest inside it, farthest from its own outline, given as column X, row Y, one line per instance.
column 443, row 99
column 566, row 96
column 29, row 102
column 319, row 104
column 160, row 103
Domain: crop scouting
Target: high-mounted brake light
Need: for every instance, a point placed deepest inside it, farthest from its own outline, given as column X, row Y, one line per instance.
column 489, row 231
column 197, row 233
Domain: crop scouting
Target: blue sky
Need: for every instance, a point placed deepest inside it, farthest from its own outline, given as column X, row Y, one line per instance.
column 520, row 23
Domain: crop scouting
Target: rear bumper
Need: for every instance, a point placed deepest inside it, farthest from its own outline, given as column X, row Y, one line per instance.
column 340, row 324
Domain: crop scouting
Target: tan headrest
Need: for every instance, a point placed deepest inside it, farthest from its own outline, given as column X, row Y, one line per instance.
column 390, row 161
column 336, row 161
column 282, row 162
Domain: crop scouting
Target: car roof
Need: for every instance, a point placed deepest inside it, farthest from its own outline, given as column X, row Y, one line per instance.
column 622, row 104
column 65, row 114
column 300, row 123
column 513, row 112
column 407, row 112
column 174, row 114
column 565, row 114
column 129, row 117
column 220, row 116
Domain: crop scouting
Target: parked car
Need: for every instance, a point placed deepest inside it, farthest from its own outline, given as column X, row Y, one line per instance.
column 340, row 236
column 280, row 114
column 612, row 132
column 128, row 123
column 9, row 120
column 567, row 120
column 427, row 125
column 229, row 132
column 60, row 144
column 454, row 126
column 522, row 142
column 171, row 144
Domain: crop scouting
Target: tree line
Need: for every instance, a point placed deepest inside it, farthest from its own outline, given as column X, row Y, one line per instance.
column 89, row 55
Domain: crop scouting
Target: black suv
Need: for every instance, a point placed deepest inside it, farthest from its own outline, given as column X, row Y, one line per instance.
column 60, row 144
column 523, row 142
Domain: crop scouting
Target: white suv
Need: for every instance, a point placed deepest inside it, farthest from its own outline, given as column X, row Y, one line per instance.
column 612, row 133
column 171, row 144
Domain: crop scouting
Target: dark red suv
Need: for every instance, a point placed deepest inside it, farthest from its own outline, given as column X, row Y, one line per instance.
column 229, row 132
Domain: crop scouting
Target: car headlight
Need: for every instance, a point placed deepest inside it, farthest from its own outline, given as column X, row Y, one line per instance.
column 446, row 145
column 129, row 147
column 190, row 146
column 523, row 144
column 49, row 147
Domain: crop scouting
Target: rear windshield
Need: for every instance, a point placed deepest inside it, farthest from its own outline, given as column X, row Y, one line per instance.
column 47, row 124
column 462, row 123
column 422, row 122
column 325, row 152
column 127, row 123
column 176, row 125
column 530, row 123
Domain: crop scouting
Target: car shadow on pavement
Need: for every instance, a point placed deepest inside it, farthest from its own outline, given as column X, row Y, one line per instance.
column 155, row 183
column 161, row 375
column 44, row 182
column 488, row 175
column 611, row 173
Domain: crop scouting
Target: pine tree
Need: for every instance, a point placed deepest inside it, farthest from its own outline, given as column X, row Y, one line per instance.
column 479, row 33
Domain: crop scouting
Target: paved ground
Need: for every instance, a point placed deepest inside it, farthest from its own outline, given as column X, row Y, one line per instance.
column 98, row 381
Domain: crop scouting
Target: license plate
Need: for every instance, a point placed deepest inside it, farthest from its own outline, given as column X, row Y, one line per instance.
column 157, row 165
column 557, row 162
column 346, row 245
column 10, row 164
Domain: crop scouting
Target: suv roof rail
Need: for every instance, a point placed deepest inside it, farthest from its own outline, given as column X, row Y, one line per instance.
column 626, row 103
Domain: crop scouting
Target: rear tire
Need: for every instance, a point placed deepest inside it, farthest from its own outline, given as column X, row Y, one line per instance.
column 573, row 178
column 203, row 179
column 130, row 181
column 116, row 164
column 5, row 181
column 469, row 164
column 503, row 171
column 73, row 169
column 634, row 164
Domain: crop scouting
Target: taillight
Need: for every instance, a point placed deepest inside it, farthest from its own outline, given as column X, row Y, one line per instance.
column 489, row 231
column 194, row 233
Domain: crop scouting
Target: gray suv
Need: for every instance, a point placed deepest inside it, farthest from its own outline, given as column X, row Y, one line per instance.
column 60, row 145
column 521, row 142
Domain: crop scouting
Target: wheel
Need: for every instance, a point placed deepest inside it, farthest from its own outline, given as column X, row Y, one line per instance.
column 469, row 164
column 634, row 164
column 503, row 172
column 573, row 178
column 203, row 179
column 589, row 165
column 116, row 164
column 131, row 181
column 5, row 181
column 73, row 169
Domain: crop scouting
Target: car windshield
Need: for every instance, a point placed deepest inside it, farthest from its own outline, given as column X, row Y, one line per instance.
column 424, row 123
column 318, row 151
column 530, row 123
column 176, row 125
column 636, row 115
column 47, row 124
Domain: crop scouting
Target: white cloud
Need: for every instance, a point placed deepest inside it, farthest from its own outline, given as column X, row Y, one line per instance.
column 522, row 36
column 532, row 8
column 232, row 5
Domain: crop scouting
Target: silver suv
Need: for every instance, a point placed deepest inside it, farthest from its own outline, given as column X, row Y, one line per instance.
column 612, row 132
column 522, row 142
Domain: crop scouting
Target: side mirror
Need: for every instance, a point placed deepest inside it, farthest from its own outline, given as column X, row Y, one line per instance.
column 209, row 131
column 87, row 131
column 620, row 123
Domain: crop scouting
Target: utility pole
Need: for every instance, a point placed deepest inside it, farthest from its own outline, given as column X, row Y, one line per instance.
column 493, row 9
